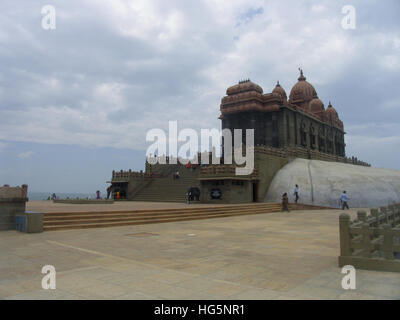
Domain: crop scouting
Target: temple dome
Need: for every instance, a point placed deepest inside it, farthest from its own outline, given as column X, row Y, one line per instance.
column 244, row 86
column 316, row 106
column 302, row 90
column 331, row 111
column 280, row 91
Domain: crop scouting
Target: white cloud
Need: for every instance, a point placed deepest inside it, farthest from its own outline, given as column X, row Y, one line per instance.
column 26, row 155
column 318, row 8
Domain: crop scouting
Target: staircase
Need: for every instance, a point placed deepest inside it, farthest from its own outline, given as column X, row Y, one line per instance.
column 84, row 220
column 301, row 206
column 166, row 189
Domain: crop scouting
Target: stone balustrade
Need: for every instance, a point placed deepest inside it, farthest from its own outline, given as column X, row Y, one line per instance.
column 371, row 241
column 127, row 175
column 298, row 152
column 223, row 170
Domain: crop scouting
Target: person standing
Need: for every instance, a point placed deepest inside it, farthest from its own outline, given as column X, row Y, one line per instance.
column 296, row 193
column 109, row 189
column 285, row 202
column 344, row 198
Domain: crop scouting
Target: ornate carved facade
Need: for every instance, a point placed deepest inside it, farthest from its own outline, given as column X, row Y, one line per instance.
column 301, row 121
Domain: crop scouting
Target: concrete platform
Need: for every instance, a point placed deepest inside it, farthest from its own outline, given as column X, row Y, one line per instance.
column 48, row 206
column 267, row 256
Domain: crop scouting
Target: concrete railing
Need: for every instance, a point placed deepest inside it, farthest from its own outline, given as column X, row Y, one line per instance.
column 223, row 171
column 126, row 175
column 371, row 241
column 299, row 152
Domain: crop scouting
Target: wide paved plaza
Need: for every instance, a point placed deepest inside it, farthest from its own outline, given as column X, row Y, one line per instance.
column 267, row 256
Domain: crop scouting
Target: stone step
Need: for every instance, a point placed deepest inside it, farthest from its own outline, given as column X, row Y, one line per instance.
column 94, row 217
column 167, row 189
column 249, row 206
column 137, row 222
column 57, row 216
column 83, row 220
column 163, row 194
column 131, row 218
column 175, row 200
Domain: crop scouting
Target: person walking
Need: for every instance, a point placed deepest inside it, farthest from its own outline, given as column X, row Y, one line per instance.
column 344, row 198
column 296, row 193
column 285, row 202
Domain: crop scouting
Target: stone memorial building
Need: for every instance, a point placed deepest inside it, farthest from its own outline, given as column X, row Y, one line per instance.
column 284, row 129
column 279, row 122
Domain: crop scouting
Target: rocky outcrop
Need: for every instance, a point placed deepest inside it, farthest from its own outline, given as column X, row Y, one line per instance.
column 321, row 183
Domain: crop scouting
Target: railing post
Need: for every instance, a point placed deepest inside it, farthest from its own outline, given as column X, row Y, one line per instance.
column 362, row 216
column 397, row 213
column 387, row 246
column 391, row 215
column 366, row 239
column 375, row 214
column 384, row 213
column 345, row 237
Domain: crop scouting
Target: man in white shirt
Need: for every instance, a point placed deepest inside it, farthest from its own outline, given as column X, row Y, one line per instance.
column 296, row 193
column 344, row 198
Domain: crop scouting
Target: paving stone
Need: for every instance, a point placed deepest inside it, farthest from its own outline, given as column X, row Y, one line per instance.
column 271, row 256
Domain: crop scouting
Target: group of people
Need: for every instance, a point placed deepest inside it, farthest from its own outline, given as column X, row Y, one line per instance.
column 189, row 166
column 285, row 199
column 98, row 195
column 116, row 195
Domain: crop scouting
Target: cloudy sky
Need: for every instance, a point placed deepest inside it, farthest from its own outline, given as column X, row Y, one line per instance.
column 76, row 102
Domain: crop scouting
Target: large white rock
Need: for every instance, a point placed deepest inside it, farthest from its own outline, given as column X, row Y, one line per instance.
column 322, row 183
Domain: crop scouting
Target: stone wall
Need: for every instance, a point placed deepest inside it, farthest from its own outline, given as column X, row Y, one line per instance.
column 12, row 202
column 267, row 164
column 233, row 191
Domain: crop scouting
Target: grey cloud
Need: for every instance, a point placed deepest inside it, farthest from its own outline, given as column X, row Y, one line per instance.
column 128, row 66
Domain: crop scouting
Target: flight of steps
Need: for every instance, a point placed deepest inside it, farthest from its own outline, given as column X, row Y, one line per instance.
column 166, row 189
column 301, row 206
column 83, row 220
column 103, row 219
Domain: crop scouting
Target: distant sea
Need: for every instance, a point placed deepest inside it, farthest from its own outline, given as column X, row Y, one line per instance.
column 45, row 195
